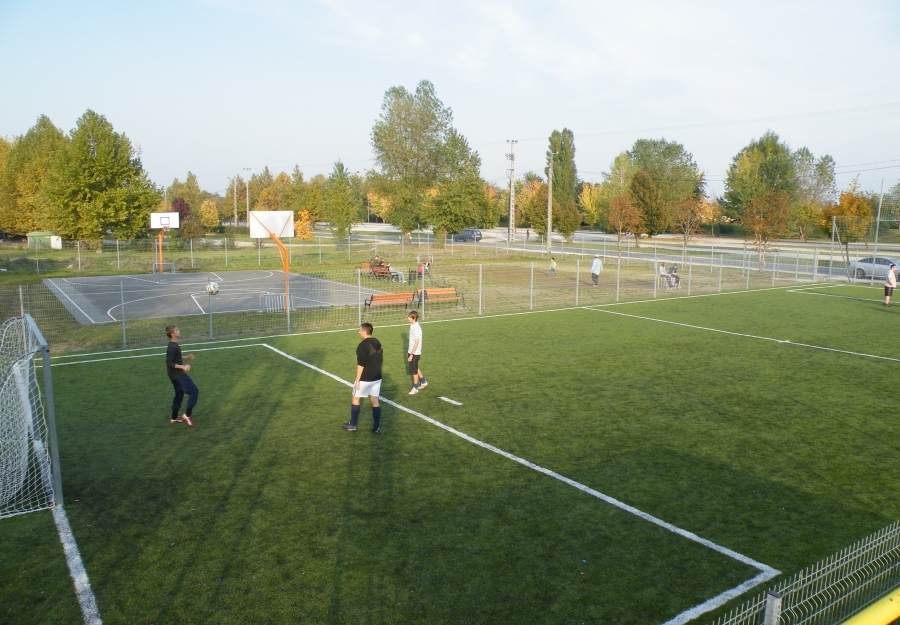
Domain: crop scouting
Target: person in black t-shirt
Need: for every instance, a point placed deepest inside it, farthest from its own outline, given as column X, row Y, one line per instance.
column 369, row 357
column 181, row 381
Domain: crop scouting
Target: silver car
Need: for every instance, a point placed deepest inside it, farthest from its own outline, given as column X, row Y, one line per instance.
column 872, row 267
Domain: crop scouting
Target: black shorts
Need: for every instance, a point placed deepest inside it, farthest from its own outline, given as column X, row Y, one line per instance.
column 414, row 364
column 888, row 291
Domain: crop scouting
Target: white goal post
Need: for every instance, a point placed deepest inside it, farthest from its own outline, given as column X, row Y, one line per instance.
column 29, row 460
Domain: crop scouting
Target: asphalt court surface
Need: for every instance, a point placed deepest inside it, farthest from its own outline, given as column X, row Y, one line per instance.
column 93, row 300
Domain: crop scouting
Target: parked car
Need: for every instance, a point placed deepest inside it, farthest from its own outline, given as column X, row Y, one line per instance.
column 872, row 267
column 469, row 234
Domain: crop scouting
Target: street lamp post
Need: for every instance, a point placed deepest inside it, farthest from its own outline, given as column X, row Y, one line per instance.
column 247, row 183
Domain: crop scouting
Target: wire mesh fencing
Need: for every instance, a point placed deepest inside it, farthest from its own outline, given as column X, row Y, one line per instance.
column 831, row 590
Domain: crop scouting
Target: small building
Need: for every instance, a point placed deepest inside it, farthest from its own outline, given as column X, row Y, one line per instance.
column 44, row 239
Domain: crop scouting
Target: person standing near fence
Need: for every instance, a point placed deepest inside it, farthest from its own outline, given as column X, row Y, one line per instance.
column 369, row 358
column 552, row 266
column 889, row 284
column 181, row 381
column 596, row 268
column 415, row 352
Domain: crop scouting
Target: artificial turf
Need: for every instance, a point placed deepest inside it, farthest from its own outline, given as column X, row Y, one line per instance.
column 268, row 512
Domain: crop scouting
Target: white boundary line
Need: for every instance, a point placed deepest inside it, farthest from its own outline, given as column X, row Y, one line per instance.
column 450, row 401
column 766, row 572
column 156, row 354
column 83, row 591
column 70, row 299
column 748, row 336
column 811, row 292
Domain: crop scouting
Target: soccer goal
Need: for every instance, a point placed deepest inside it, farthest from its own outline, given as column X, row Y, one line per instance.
column 29, row 462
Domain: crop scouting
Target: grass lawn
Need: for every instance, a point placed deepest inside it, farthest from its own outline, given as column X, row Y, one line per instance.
column 268, row 512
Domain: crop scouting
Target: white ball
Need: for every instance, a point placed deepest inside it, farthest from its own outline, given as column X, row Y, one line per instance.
column 212, row 288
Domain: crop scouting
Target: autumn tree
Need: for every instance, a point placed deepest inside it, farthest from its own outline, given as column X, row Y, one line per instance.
column 688, row 216
column 815, row 190
column 29, row 158
column 766, row 218
column 852, row 217
column 209, row 214
column 189, row 191
column 97, row 184
column 623, row 217
column 675, row 176
column 592, row 204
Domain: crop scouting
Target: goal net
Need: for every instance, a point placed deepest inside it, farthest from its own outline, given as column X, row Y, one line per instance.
column 29, row 466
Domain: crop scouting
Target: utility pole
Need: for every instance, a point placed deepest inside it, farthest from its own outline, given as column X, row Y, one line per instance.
column 234, row 192
column 550, row 201
column 511, row 172
column 247, row 182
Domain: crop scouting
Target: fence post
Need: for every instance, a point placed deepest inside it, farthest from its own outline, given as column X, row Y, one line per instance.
column 320, row 249
column 748, row 274
column 226, row 250
column 358, row 296
column 797, row 268
column 690, row 271
column 422, row 292
column 773, row 609
column 78, row 245
column 655, row 276
column 21, row 301
column 209, row 305
column 774, row 268
column 577, row 276
column 122, row 301
column 530, row 289
column 712, row 251
column 815, row 271
column 618, row 272
column 480, row 292
column 118, row 259
column 721, row 260
column 192, row 253
column 290, row 250
column 258, row 252
column 37, row 256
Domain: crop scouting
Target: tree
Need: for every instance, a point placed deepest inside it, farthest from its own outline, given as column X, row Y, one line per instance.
column 764, row 165
column 623, row 217
column 592, row 204
column 616, row 184
column 688, row 215
column 209, row 214
column 96, row 184
column 674, row 173
column 766, row 217
column 189, row 191
column 533, row 205
column 565, row 181
column 815, row 190
column 853, row 216
column 646, row 198
column 29, row 158
column 235, row 196
column 340, row 204
column 408, row 140
column 458, row 200
column 258, row 182
column 180, row 206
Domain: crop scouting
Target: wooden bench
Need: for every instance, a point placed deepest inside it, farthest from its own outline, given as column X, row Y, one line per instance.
column 381, row 272
column 442, row 295
column 365, row 267
column 389, row 299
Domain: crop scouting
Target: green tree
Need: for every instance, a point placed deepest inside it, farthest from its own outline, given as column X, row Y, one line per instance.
column 259, row 182
column 765, row 164
column 766, row 217
column 674, row 173
column 189, row 191
column 565, row 175
column 340, row 204
column 408, row 140
column 237, row 190
column 97, row 184
column 616, row 185
column 22, row 203
column 458, row 199
column 646, row 198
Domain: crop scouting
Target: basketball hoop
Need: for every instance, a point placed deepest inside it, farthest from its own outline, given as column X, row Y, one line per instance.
column 165, row 228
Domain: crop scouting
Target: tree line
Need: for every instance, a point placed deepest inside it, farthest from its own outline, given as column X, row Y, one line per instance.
column 90, row 183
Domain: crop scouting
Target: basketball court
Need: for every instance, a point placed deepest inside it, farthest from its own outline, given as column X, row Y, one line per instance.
column 93, row 300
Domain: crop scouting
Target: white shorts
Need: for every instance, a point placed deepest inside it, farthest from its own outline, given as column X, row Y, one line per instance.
column 368, row 389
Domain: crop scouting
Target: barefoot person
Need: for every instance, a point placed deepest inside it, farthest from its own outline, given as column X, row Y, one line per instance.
column 181, row 381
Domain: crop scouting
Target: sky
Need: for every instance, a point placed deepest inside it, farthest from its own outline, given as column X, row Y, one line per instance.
column 220, row 87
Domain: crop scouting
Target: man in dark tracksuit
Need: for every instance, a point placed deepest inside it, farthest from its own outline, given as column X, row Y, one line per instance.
column 181, row 381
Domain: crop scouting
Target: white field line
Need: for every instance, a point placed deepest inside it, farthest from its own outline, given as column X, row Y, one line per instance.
column 450, row 401
column 70, row 299
column 766, row 572
column 83, row 591
column 748, row 336
column 811, row 292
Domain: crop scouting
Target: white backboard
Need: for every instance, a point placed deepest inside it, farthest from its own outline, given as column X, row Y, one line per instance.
column 279, row 223
column 158, row 221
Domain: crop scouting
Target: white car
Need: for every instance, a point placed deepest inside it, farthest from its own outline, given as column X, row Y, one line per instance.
column 872, row 267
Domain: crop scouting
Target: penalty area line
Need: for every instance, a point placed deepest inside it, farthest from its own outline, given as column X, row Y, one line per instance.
column 450, row 401
column 765, row 572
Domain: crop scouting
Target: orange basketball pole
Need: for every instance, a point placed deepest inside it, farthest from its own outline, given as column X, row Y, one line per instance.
column 159, row 254
column 286, row 266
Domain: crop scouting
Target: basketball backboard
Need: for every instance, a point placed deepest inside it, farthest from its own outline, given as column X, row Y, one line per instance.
column 279, row 223
column 158, row 221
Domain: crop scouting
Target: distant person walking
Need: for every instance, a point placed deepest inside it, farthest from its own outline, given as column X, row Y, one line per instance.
column 414, row 353
column 596, row 268
column 889, row 284
column 369, row 357
column 552, row 266
column 181, row 381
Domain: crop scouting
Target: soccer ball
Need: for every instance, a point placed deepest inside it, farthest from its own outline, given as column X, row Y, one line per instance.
column 212, row 288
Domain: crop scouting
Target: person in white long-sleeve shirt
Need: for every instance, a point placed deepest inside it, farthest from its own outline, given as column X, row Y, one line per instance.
column 889, row 284
column 414, row 352
column 596, row 268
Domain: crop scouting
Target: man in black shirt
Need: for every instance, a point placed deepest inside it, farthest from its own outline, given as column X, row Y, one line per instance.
column 182, row 383
column 368, row 379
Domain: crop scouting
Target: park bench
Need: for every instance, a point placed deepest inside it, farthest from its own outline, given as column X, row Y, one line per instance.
column 381, row 272
column 365, row 268
column 389, row 299
column 438, row 296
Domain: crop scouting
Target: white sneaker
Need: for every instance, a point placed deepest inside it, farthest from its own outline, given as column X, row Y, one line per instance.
column 423, row 385
column 414, row 391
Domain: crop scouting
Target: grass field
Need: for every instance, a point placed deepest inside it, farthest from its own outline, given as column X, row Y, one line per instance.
column 721, row 415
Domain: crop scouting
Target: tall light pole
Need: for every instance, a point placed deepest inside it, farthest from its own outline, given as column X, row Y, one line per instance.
column 550, row 201
column 511, row 172
column 247, row 182
column 234, row 193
